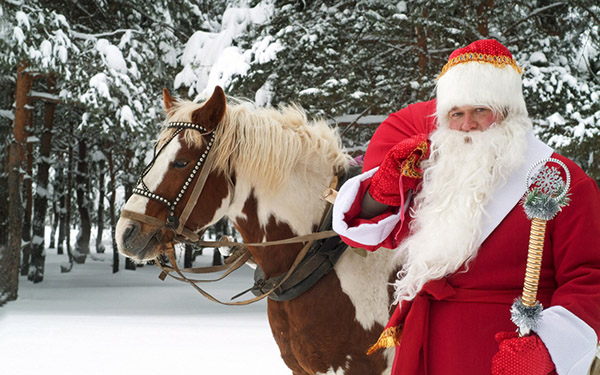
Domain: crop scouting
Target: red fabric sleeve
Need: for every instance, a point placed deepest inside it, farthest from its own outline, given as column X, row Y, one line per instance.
column 351, row 217
column 415, row 119
column 575, row 238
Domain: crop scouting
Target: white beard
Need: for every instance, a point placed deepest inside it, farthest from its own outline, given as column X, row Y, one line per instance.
column 460, row 177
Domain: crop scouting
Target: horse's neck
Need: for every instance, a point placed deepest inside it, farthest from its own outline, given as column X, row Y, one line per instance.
column 274, row 216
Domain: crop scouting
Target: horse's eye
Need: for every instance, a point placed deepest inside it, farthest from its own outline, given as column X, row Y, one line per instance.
column 179, row 163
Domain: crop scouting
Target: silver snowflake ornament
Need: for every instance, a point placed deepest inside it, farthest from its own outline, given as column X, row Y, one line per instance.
column 547, row 192
column 548, row 181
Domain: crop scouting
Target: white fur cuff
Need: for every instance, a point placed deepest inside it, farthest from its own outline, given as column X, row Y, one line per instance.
column 366, row 234
column 571, row 342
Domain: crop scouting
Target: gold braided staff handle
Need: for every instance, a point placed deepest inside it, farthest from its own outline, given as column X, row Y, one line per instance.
column 544, row 200
column 534, row 261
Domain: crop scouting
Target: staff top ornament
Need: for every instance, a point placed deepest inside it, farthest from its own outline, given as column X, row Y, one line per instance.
column 547, row 192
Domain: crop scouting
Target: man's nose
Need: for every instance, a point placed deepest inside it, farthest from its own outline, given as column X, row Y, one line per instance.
column 469, row 123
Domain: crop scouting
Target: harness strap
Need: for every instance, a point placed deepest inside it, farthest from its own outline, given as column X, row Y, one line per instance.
column 231, row 266
column 198, row 187
column 150, row 220
column 193, row 236
column 303, row 238
column 171, row 255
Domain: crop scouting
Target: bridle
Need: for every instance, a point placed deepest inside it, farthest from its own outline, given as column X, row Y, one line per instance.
column 177, row 224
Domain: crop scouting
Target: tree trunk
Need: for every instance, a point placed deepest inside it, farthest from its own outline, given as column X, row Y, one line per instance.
column 54, row 225
column 129, row 264
column 423, row 52
column 482, row 17
column 217, row 258
column 62, row 211
column 222, row 229
column 100, row 224
column 9, row 255
column 66, row 222
column 112, row 211
column 38, row 259
column 27, row 189
column 82, row 246
column 188, row 256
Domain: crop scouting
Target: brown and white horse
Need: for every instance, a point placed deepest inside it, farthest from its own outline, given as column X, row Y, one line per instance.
column 270, row 168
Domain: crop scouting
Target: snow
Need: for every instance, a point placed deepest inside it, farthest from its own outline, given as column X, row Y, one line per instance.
column 42, row 192
column 100, row 83
column 231, row 62
column 579, row 130
column 556, row 119
column 401, row 6
column 46, row 48
column 210, row 58
column 44, row 95
column 18, row 35
column 368, row 119
column 22, row 19
column 62, row 53
column 310, row 91
column 538, row 58
column 5, row 113
column 91, row 321
column 264, row 95
column 126, row 116
column 266, row 49
column 113, row 55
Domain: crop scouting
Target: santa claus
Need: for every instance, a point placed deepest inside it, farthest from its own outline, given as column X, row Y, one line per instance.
column 441, row 184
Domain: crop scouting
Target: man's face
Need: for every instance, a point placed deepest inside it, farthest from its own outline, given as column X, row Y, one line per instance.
column 467, row 118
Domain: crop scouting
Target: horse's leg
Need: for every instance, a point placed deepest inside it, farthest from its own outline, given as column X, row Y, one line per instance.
column 279, row 328
column 291, row 362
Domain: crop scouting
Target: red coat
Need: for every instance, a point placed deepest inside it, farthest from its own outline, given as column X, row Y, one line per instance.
column 449, row 327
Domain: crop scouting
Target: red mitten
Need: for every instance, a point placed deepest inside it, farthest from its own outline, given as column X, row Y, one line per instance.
column 399, row 171
column 521, row 355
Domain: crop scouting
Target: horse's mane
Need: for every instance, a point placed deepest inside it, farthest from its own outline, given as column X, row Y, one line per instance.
column 265, row 143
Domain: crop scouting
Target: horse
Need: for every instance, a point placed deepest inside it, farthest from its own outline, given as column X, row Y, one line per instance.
column 269, row 168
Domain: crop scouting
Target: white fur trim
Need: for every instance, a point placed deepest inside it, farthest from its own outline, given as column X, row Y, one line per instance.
column 570, row 341
column 476, row 83
column 366, row 234
column 505, row 199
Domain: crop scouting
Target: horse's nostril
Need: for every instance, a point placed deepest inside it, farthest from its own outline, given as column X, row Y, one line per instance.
column 129, row 234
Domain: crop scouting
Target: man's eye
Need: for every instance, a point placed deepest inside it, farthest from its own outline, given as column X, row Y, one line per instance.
column 456, row 114
column 179, row 164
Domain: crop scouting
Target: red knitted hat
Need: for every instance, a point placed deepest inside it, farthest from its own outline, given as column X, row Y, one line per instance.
column 482, row 73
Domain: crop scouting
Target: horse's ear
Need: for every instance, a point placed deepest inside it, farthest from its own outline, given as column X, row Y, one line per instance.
column 168, row 100
column 212, row 112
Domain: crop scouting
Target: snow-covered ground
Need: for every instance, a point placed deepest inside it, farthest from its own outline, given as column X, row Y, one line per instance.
column 90, row 321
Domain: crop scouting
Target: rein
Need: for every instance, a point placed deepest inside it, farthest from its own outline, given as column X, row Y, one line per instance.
column 224, row 243
column 238, row 259
column 237, row 263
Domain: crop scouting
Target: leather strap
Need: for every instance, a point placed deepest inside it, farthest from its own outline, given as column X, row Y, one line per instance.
column 171, row 255
column 198, row 187
column 150, row 220
column 192, row 236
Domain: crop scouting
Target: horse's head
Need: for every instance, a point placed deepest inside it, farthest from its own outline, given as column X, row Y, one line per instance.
column 179, row 191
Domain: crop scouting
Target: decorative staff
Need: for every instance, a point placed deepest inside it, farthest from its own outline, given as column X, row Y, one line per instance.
column 547, row 195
